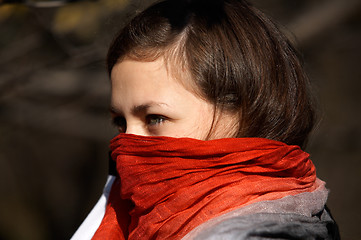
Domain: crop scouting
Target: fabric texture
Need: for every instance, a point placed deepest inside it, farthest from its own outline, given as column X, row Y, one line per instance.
column 176, row 184
column 271, row 226
column 301, row 216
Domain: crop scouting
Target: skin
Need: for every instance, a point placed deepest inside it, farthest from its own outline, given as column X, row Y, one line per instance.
column 147, row 100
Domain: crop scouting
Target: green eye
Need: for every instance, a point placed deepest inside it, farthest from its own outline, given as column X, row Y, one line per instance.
column 154, row 119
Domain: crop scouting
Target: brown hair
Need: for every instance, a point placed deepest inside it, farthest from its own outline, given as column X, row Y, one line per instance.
column 237, row 57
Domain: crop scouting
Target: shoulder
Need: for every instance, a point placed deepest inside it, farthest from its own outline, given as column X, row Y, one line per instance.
column 273, row 226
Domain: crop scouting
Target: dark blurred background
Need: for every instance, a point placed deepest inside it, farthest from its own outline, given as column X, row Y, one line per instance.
column 54, row 92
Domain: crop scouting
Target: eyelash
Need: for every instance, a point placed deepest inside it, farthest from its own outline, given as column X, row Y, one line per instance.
column 152, row 120
column 159, row 119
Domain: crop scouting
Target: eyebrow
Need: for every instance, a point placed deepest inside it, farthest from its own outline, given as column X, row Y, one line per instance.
column 138, row 109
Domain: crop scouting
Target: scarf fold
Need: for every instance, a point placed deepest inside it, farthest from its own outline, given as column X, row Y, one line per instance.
column 176, row 184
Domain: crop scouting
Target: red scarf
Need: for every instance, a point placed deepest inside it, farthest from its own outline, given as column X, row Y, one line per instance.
column 176, row 184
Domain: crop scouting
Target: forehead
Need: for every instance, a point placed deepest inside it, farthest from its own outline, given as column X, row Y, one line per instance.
column 129, row 73
column 134, row 83
column 166, row 67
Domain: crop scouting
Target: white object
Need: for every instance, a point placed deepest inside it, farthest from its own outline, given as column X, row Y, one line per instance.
column 93, row 220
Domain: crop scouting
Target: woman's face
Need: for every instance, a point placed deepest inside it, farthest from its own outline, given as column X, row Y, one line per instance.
column 147, row 100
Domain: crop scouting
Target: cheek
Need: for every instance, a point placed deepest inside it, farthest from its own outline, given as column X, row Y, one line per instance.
column 194, row 125
column 183, row 129
column 225, row 125
column 200, row 123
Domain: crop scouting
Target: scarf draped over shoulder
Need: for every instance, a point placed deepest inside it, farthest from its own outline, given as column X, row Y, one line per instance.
column 168, row 186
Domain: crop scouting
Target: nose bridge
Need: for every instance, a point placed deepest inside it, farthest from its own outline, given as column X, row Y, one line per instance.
column 136, row 129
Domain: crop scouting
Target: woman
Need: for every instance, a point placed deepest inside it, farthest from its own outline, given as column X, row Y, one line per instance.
column 213, row 109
